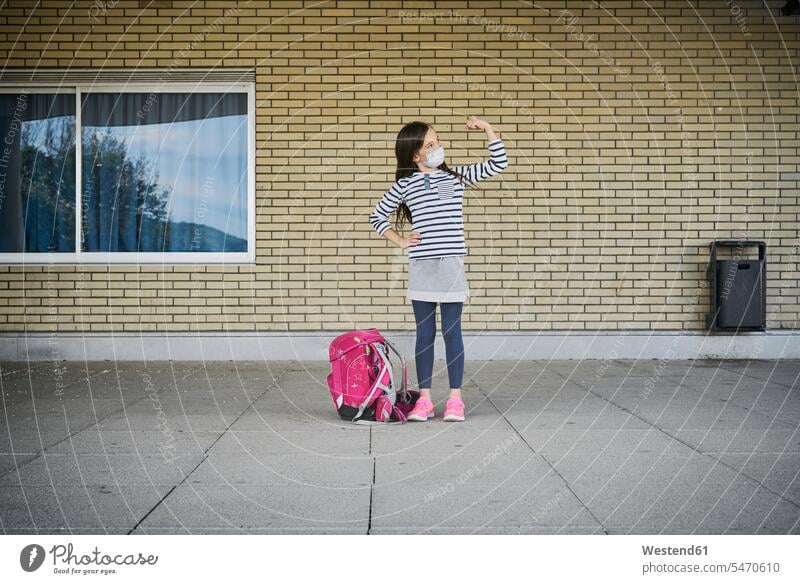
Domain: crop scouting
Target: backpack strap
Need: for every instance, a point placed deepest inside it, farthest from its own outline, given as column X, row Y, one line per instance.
column 387, row 391
column 404, row 380
column 399, row 415
column 396, row 414
column 363, row 405
column 387, row 366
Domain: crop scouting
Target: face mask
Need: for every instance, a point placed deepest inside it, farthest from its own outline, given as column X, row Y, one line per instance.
column 435, row 157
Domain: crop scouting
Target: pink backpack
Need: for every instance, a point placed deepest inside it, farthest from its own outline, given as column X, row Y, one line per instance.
column 362, row 382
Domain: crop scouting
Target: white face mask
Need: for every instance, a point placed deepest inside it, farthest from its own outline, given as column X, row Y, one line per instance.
column 435, row 157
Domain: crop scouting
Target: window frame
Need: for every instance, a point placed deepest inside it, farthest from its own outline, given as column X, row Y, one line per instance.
column 79, row 257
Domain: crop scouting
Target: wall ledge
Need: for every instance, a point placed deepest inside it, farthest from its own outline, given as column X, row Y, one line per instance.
column 484, row 345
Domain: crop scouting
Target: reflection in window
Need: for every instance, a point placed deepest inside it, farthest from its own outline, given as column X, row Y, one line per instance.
column 164, row 172
column 37, row 172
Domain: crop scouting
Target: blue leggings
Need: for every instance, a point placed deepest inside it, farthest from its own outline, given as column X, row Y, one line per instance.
column 425, row 315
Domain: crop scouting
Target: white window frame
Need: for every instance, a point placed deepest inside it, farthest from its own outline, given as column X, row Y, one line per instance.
column 138, row 258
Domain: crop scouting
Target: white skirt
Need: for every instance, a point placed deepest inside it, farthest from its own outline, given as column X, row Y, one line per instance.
column 437, row 279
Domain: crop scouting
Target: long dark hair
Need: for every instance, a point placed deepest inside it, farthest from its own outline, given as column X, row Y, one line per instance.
column 409, row 141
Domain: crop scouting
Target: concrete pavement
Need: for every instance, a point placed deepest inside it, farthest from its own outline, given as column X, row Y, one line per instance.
column 557, row 447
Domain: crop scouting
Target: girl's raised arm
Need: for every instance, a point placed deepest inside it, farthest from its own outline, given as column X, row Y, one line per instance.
column 486, row 168
column 497, row 155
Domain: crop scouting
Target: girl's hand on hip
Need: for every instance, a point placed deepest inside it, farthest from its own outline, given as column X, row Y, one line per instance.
column 413, row 239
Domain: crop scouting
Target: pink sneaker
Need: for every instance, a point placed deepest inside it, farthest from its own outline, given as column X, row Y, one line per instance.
column 454, row 410
column 423, row 409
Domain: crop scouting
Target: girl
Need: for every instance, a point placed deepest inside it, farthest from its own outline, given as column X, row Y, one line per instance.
column 430, row 194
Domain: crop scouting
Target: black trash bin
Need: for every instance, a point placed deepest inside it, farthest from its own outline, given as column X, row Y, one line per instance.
column 738, row 289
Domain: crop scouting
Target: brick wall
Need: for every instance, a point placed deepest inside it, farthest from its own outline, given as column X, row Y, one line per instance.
column 635, row 135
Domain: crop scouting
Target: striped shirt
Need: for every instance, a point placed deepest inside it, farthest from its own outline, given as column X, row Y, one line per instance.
column 436, row 202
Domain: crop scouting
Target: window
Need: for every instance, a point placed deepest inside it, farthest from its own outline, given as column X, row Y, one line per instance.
column 126, row 173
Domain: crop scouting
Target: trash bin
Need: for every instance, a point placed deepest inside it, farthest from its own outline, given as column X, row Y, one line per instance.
column 738, row 289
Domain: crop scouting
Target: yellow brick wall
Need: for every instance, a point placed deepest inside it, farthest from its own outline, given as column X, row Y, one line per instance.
column 635, row 136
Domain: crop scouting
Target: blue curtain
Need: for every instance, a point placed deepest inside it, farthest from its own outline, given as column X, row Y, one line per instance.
column 37, row 172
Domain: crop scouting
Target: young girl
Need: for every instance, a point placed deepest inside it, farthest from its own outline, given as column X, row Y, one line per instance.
column 430, row 194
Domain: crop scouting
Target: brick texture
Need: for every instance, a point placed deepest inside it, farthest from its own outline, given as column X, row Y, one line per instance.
column 636, row 133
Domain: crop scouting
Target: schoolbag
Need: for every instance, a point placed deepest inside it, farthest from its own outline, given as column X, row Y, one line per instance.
column 362, row 382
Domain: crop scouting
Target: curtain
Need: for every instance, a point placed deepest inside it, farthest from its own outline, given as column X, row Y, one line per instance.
column 37, row 172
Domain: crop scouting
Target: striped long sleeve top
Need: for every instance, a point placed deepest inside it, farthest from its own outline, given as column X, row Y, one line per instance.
column 436, row 203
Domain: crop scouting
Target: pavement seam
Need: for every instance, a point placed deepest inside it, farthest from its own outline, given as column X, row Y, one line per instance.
column 663, row 431
column 372, row 485
column 210, row 446
column 750, row 375
column 729, row 402
column 69, row 436
column 524, row 441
